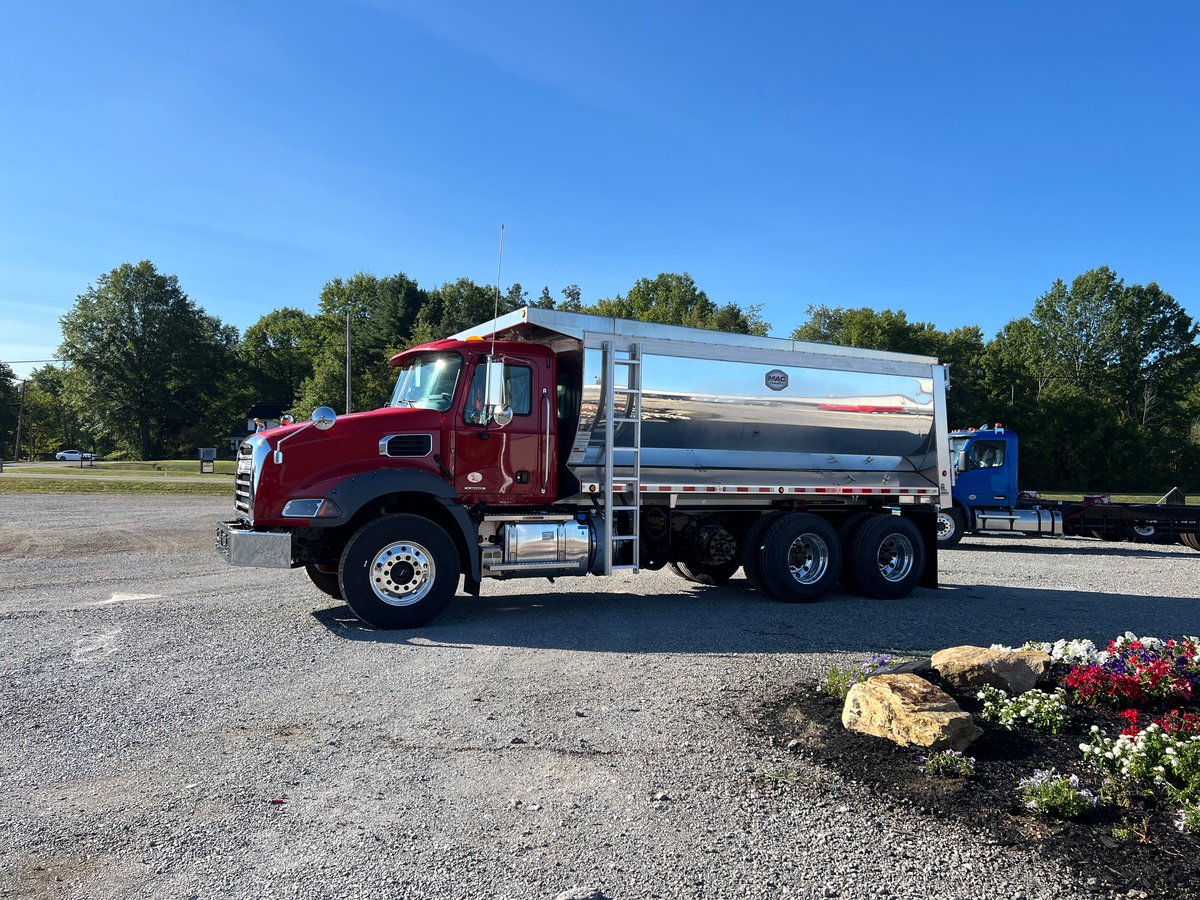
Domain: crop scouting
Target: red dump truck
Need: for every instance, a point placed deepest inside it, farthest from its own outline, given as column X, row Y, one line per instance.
column 550, row 444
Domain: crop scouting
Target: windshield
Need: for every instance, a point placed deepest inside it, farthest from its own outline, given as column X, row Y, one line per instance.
column 427, row 381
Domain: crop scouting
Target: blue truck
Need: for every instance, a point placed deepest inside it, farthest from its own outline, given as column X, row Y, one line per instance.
column 987, row 500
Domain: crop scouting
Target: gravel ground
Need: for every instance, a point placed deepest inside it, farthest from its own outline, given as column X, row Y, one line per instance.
column 174, row 727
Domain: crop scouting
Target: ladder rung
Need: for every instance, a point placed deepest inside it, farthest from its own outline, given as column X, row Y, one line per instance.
column 624, row 537
column 628, row 362
column 629, row 568
column 625, row 508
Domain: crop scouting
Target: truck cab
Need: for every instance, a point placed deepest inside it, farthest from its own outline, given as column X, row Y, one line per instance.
column 985, row 494
column 986, row 466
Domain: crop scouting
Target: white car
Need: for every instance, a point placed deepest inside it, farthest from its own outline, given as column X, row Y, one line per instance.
column 74, row 455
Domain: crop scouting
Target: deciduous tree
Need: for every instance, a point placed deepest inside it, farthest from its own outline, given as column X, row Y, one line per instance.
column 145, row 363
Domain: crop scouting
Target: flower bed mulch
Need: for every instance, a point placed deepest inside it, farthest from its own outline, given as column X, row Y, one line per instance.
column 1136, row 849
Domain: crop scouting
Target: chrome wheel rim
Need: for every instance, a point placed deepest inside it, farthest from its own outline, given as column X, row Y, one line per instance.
column 808, row 558
column 945, row 526
column 895, row 557
column 402, row 573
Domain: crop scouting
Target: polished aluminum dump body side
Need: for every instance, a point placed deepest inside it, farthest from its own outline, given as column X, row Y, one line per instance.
column 737, row 413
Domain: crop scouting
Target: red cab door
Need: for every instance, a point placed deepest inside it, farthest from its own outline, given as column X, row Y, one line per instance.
column 514, row 463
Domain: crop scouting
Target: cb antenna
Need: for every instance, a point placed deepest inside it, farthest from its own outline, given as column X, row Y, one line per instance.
column 496, row 310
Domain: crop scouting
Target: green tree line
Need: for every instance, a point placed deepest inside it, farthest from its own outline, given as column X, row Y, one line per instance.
column 1101, row 379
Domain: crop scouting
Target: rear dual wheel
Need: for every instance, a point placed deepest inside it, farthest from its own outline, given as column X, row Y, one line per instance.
column 887, row 557
column 801, row 558
column 752, row 548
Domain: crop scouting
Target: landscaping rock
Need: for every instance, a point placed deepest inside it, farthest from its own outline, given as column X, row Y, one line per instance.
column 1014, row 671
column 919, row 666
column 909, row 711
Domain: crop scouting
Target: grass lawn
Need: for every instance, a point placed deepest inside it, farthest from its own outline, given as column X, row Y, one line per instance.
column 150, row 469
column 163, row 476
column 14, row 484
column 1193, row 500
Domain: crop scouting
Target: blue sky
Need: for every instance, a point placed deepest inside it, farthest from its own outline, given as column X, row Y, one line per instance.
column 948, row 159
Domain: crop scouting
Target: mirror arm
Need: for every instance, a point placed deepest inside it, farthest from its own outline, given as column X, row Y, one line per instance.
column 279, row 447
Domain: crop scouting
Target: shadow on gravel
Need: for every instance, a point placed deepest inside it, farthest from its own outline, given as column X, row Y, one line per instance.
column 731, row 619
column 1021, row 544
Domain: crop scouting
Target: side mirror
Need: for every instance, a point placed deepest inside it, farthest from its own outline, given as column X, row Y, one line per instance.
column 323, row 418
column 495, row 383
column 500, row 413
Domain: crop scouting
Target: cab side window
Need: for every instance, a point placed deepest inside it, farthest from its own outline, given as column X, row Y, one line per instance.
column 986, row 454
column 518, row 392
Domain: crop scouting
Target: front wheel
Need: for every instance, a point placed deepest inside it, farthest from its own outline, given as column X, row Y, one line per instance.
column 399, row 571
column 950, row 527
column 801, row 558
column 888, row 556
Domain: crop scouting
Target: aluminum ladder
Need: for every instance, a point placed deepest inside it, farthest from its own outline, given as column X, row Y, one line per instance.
column 629, row 498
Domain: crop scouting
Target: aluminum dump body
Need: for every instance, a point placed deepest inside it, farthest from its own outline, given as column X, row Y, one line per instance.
column 738, row 413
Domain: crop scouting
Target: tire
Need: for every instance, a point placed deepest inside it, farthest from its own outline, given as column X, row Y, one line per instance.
column 327, row 582
column 846, row 531
column 950, row 527
column 399, row 571
column 1190, row 540
column 801, row 558
column 703, row 573
column 1144, row 534
column 888, row 557
column 751, row 553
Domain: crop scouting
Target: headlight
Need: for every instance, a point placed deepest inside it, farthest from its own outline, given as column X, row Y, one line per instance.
column 316, row 508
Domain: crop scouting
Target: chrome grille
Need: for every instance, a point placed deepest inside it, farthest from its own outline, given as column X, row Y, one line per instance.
column 243, row 483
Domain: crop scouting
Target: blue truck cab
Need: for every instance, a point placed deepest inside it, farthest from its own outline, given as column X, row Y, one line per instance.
column 985, row 460
column 985, row 492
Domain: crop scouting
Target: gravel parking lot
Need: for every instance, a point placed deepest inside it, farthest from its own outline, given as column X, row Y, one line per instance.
column 173, row 727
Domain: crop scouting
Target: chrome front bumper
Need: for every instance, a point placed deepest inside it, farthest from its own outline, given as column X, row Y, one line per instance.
column 242, row 546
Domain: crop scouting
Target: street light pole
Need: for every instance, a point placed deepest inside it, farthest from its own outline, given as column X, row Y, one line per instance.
column 20, row 414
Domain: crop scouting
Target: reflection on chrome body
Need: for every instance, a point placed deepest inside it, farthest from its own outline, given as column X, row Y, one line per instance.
column 723, row 410
column 704, row 415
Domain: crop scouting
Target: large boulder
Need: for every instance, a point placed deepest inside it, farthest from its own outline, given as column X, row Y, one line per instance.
column 910, row 711
column 969, row 668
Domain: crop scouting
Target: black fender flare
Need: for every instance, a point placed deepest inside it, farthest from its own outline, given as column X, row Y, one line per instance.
column 352, row 494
